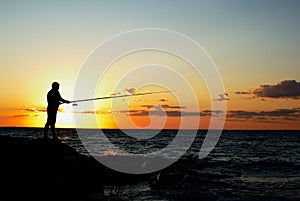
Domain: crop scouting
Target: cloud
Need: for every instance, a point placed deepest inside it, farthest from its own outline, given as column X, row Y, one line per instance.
column 131, row 90
column 172, row 113
column 27, row 112
column 158, row 111
column 242, row 92
column 20, row 115
column 30, row 110
column 23, row 115
column 165, row 106
column 222, row 97
column 35, row 110
column 283, row 89
column 284, row 114
column 115, row 94
column 42, row 110
column 212, row 113
column 162, row 100
column 92, row 112
column 272, row 116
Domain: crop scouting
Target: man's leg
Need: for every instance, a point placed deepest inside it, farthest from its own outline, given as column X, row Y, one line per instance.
column 46, row 128
column 52, row 120
column 53, row 132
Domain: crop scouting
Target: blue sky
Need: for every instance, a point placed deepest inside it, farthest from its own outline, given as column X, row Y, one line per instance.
column 252, row 42
column 265, row 32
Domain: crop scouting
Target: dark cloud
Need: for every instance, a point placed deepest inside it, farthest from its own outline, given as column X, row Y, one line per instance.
column 212, row 113
column 159, row 111
column 273, row 116
column 222, row 97
column 165, row 106
column 290, row 118
column 172, row 113
column 283, row 89
column 129, row 111
column 30, row 110
column 20, row 115
column 163, row 100
column 241, row 114
column 242, row 92
column 42, row 110
column 293, row 113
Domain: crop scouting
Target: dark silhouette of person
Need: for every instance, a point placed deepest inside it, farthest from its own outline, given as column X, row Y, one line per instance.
column 54, row 100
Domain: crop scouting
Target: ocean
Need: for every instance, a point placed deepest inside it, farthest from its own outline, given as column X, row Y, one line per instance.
column 244, row 165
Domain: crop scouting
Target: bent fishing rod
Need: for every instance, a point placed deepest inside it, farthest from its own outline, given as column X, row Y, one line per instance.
column 119, row 96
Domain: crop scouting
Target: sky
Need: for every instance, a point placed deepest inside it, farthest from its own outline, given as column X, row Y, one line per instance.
column 255, row 46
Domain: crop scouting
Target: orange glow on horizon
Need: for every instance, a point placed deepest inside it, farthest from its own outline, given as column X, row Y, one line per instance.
column 65, row 120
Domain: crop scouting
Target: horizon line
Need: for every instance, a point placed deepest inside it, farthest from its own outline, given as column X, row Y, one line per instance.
column 154, row 129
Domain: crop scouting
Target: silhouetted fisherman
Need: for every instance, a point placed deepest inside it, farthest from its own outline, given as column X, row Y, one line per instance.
column 54, row 100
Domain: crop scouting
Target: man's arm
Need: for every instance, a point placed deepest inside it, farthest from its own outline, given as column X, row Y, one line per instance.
column 65, row 101
column 61, row 100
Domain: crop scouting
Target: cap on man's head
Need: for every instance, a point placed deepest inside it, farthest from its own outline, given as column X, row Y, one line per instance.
column 55, row 85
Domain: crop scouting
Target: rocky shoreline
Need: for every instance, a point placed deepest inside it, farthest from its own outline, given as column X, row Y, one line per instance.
column 38, row 169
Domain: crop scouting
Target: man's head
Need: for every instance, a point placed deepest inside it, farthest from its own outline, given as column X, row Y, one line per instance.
column 55, row 85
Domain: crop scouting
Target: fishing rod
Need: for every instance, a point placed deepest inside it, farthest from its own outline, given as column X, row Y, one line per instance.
column 119, row 96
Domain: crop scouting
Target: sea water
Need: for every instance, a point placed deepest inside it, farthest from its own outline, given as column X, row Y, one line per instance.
column 258, row 162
